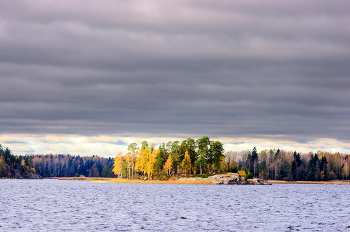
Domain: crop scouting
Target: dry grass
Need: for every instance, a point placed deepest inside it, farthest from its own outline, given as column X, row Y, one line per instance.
column 174, row 181
column 308, row 182
column 152, row 181
column 119, row 180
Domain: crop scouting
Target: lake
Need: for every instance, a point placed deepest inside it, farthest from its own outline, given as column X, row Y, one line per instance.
column 59, row 205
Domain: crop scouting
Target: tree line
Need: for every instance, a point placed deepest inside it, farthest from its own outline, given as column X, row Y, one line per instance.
column 72, row 166
column 205, row 157
column 12, row 166
column 278, row 164
column 188, row 157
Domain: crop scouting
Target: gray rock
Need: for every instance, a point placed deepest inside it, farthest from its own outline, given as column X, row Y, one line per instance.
column 258, row 181
column 228, row 178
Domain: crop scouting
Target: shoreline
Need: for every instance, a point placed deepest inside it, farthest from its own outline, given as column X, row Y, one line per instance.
column 310, row 182
column 138, row 181
column 131, row 181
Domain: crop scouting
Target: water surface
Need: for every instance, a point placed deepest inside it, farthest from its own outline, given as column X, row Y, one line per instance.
column 85, row 206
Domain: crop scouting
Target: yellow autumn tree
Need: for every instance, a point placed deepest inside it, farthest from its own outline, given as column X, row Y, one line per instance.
column 233, row 165
column 322, row 175
column 186, row 163
column 242, row 173
column 138, row 161
column 142, row 160
column 118, row 165
column 128, row 161
column 168, row 165
column 224, row 163
column 151, row 162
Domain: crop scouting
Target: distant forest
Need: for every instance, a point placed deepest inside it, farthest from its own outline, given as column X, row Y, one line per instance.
column 12, row 166
column 200, row 157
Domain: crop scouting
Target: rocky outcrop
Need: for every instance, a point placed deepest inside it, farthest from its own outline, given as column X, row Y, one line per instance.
column 229, row 178
column 258, row 181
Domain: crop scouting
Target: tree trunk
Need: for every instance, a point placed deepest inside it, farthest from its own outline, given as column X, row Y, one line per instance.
column 132, row 163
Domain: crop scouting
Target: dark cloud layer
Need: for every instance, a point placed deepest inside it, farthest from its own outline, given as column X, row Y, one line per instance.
column 176, row 67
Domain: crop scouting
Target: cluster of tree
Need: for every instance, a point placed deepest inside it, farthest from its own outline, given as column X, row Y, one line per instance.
column 186, row 157
column 12, row 166
column 283, row 165
column 72, row 166
column 190, row 156
column 15, row 166
column 205, row 156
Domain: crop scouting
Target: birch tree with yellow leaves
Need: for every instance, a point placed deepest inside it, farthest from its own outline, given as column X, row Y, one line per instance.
column 142, row 160
column 151, row 162
column 168, row 165
column 132, row 148
column 118, row 165
column 128, row 161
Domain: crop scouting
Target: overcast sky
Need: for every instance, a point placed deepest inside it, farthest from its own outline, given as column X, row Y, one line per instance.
column 87, row 77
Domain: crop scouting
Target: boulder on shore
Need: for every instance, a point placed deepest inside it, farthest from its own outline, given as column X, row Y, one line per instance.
column 258, row 181
column 229, row 178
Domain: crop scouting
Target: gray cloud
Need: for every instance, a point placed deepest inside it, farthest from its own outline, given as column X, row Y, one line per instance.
column 176, row 67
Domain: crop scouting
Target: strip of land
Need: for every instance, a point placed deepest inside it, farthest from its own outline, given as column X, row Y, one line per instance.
column 135, row 181
column 309, row 182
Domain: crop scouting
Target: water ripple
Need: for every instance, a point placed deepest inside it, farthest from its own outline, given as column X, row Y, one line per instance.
column 43, row 205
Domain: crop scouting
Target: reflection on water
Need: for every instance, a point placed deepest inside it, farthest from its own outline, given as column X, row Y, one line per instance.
column 86, row 206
